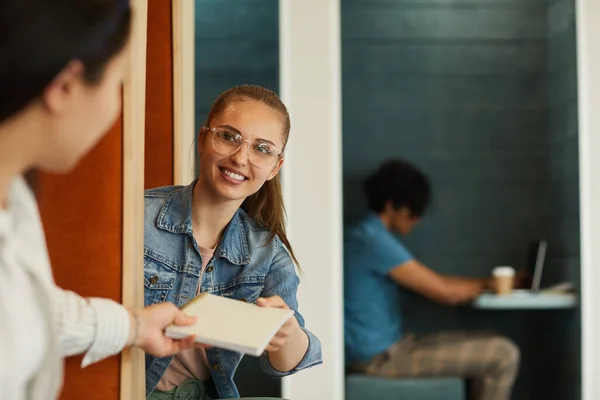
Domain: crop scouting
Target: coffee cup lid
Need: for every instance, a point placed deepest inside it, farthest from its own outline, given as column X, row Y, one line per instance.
column 503, row 271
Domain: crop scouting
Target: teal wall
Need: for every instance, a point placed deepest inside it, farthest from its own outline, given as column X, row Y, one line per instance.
column 460, row 89
column 237, row 42
column 481, row 95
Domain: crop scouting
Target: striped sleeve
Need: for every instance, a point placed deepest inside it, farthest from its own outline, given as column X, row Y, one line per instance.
column 98, row 327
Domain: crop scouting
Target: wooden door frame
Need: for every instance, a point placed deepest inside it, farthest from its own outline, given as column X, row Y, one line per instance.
column 587, row 13
column 133, row 376
column 183, row 18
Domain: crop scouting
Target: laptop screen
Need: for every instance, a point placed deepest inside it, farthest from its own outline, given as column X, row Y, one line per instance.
column 535, row 263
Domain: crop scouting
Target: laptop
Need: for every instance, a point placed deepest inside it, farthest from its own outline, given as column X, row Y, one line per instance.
column 535, row 263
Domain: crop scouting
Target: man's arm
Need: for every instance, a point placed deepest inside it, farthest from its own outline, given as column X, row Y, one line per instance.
column 448, row 290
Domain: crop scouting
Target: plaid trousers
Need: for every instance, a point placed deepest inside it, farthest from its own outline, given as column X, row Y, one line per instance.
column 491, row 361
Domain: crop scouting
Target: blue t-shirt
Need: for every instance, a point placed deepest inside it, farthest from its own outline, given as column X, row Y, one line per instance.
column 372, row 300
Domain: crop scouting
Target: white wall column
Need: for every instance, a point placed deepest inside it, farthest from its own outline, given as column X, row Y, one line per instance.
column 312, row 177
column 588, row 49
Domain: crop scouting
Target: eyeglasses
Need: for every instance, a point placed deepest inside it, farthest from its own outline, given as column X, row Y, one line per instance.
column 227, row 141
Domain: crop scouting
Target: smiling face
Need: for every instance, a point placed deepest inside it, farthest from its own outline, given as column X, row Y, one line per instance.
column 235, row 177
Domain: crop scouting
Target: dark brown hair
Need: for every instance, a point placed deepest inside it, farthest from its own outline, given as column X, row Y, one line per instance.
column 38, row 38
column 265, row 206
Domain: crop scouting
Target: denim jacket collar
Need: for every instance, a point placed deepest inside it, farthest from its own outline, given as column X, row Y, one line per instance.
column 176, row 216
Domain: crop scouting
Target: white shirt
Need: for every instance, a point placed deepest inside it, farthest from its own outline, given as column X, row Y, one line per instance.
column 27, row 346
column 41, row 323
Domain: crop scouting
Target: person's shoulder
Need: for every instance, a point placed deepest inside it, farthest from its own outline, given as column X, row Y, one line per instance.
column 388, row 241
column 373, row 237
column 362, row 230
column 155, row 200
column 254, row 230
column 259, row 237
column 161, row 192
column 156, row 197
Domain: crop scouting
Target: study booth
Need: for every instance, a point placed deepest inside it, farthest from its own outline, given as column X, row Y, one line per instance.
column 481, row 96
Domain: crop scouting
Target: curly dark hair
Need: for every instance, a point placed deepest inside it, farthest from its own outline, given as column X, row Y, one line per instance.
column 401, row 183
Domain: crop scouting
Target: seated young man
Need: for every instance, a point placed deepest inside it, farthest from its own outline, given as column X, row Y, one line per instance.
column 378, row 269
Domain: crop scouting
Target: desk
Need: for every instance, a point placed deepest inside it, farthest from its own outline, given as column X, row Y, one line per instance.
column 543, row 325
column 525, row 300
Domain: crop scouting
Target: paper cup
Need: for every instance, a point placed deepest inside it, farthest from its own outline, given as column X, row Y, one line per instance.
column 504, row 277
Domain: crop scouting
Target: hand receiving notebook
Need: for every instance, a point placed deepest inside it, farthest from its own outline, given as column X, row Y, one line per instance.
column 231, row 324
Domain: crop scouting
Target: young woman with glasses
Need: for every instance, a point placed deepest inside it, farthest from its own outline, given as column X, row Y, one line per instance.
column 225, row 234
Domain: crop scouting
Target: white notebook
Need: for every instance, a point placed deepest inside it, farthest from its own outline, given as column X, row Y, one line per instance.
column 231, row 324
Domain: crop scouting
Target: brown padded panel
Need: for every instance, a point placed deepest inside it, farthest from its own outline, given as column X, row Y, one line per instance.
column 159, row 96
column 82, row 214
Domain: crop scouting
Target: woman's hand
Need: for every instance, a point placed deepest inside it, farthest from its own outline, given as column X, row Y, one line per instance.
column 148, row 329
column 290, row 326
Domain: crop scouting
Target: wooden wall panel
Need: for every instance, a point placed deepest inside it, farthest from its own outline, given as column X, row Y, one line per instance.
column 184, row 90
column 159, row 96
column 134, row 110
column 82, row 214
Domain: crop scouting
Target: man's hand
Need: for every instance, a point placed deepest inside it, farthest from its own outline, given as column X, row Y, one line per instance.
column 148, row 330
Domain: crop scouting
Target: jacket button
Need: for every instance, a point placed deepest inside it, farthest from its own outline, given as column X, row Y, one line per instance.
column 210, row 269
column 216, row 367
column 154, row 279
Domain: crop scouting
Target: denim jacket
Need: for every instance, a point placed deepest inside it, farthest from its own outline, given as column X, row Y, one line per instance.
column 245, row 266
